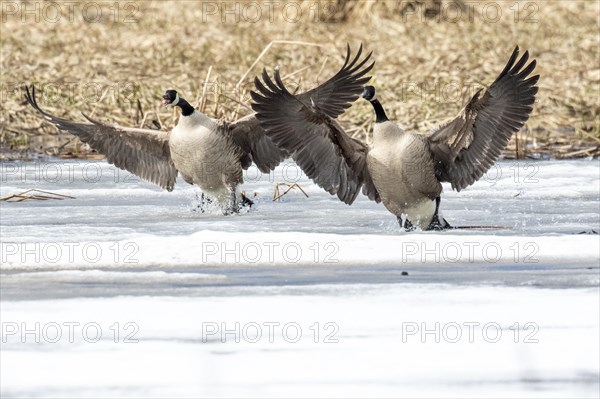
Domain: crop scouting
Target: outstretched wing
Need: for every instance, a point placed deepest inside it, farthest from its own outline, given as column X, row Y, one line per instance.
column 143, row 152
column 466, row 147
column 305, row 127
column 336, row 95
column 256, row 146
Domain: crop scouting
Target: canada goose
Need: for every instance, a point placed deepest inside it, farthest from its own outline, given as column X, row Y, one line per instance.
column 207, row 152
column 402, row 169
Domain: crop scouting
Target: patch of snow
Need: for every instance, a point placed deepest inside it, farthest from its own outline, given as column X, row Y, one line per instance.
column 130, row 258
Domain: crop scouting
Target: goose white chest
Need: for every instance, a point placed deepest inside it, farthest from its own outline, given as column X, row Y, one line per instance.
column 403, row 173
column 204, row 155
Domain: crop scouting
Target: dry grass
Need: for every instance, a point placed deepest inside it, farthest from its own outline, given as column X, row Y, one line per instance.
column 118, row 67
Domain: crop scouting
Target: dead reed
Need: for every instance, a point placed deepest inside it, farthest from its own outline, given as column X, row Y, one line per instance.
column 431, row 56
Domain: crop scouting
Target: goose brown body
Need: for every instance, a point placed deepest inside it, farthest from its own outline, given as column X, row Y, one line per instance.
column 402, row 169
column 205, row 156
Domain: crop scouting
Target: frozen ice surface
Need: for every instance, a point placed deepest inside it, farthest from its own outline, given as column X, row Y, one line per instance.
column 125, row 251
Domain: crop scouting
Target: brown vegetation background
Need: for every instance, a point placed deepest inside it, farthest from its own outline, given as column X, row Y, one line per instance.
column 113, row 60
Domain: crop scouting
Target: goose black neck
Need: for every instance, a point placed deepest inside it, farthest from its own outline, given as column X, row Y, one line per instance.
column 379, row 112
column 186, row 108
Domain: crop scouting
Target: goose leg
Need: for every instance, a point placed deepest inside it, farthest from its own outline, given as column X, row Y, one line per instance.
column 232, row 204
column 438, row 222
column 405, row 224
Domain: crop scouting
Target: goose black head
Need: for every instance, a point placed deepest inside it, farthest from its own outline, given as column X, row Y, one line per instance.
column 369, row 93
column 171, row 98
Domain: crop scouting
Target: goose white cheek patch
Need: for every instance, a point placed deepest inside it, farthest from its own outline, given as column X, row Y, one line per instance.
column 176, row 101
